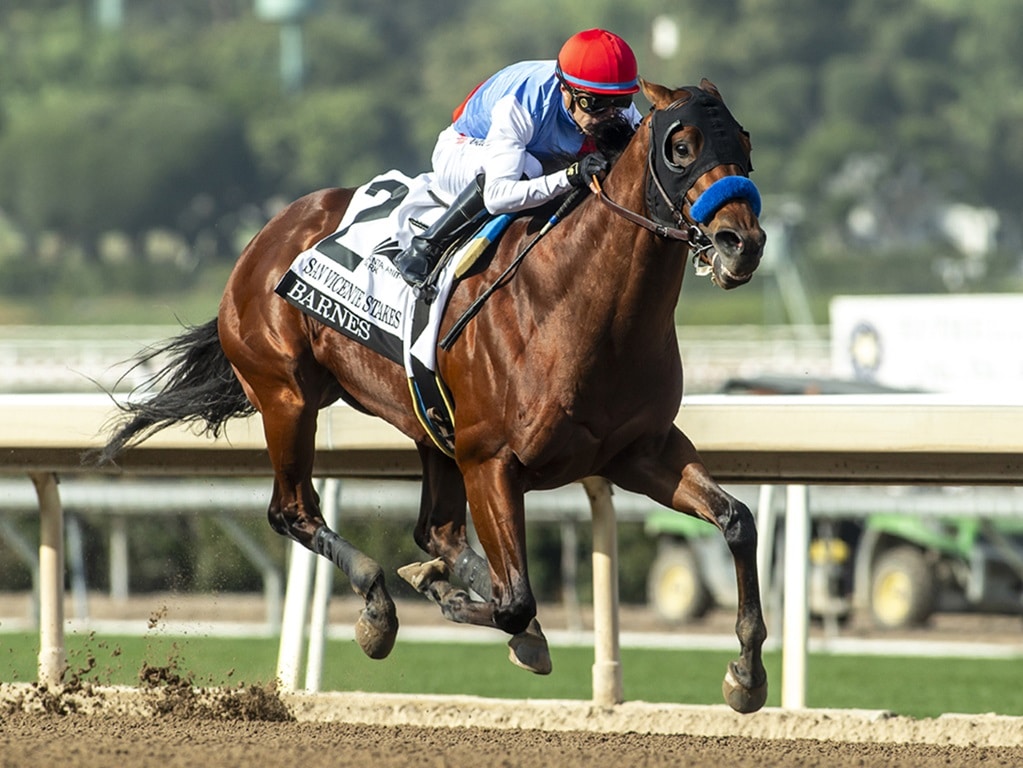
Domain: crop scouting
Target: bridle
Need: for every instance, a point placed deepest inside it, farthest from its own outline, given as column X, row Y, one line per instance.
column 700, row 246
column 667, row 219
column 686, row 231
column 687, row 235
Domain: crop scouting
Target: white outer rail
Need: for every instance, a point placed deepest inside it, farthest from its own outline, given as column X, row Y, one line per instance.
column 790, row 440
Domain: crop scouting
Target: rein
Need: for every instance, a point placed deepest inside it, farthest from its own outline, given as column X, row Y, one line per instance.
column 699, row 243
column 688, row 235
column 570, row 202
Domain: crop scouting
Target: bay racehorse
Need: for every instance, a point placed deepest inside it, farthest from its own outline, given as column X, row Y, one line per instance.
column 570, row 369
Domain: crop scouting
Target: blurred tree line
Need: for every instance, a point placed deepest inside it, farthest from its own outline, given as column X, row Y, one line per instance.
column 192, row 554
column 157, row 146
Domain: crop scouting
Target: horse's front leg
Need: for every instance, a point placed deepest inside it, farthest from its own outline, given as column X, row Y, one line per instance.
column 289, row 423
column 671, row 473
column 441, row 532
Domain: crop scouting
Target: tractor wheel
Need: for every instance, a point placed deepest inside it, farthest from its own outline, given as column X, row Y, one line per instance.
column 675, row 587
column 902, row 589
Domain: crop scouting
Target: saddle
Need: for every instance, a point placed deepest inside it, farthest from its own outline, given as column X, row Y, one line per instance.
column 348, row 282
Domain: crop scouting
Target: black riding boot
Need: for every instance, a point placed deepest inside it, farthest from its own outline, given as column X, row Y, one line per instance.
column 419, row 259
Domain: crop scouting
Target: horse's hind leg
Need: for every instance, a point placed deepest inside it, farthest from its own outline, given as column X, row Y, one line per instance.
column 673, row 475
column 377, row 626
column 289, row 422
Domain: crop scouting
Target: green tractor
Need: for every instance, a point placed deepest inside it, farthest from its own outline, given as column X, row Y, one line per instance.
column 901, row 558
column 693, row 569
column 909, row 566
column 898, row 567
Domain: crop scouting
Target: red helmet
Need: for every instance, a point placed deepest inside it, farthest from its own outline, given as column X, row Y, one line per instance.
column 598, row 61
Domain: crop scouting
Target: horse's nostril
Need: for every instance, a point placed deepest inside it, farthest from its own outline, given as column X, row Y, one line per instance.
column 728, row 241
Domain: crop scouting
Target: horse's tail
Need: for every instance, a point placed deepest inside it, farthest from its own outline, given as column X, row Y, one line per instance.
column 197, row 385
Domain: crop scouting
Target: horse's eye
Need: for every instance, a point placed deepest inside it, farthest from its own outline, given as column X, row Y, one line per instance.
column 680, row 151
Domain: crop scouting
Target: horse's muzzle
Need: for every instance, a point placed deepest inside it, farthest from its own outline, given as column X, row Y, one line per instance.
column 723, row 277
column 737, row 254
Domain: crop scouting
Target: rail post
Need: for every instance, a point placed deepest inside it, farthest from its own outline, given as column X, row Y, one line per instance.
column 607, row 667
column 52, row 656
column 795, row 605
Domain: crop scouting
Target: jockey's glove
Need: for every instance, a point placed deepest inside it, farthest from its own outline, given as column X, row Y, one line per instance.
column 581, row 172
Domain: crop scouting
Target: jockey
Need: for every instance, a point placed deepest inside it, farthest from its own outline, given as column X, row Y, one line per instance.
column 527, row 131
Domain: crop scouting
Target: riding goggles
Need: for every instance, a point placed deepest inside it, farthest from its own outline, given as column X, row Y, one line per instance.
column 592, row 104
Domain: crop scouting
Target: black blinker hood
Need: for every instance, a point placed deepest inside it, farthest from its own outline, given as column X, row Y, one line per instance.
column 721, row 146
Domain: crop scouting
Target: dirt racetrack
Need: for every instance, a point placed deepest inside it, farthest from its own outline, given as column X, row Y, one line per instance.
column 171, row 727
column 168, row 725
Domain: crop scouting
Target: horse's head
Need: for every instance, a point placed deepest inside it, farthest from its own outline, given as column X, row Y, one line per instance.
column 699, row 166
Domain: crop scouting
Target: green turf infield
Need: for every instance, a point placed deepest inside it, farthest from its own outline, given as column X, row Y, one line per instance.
column 917, row 687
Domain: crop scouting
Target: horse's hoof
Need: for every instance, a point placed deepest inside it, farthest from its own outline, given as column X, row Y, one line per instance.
column 743, row 700
column 529, row 650
column 377, row 626
column 421, row 575
column 376, row 631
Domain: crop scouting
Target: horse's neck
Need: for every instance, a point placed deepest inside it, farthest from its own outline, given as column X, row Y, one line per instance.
column 611, row 288
column 644, row 270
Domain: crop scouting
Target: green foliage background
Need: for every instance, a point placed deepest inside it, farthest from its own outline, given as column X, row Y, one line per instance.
column 163, row 144
column 135, row 162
